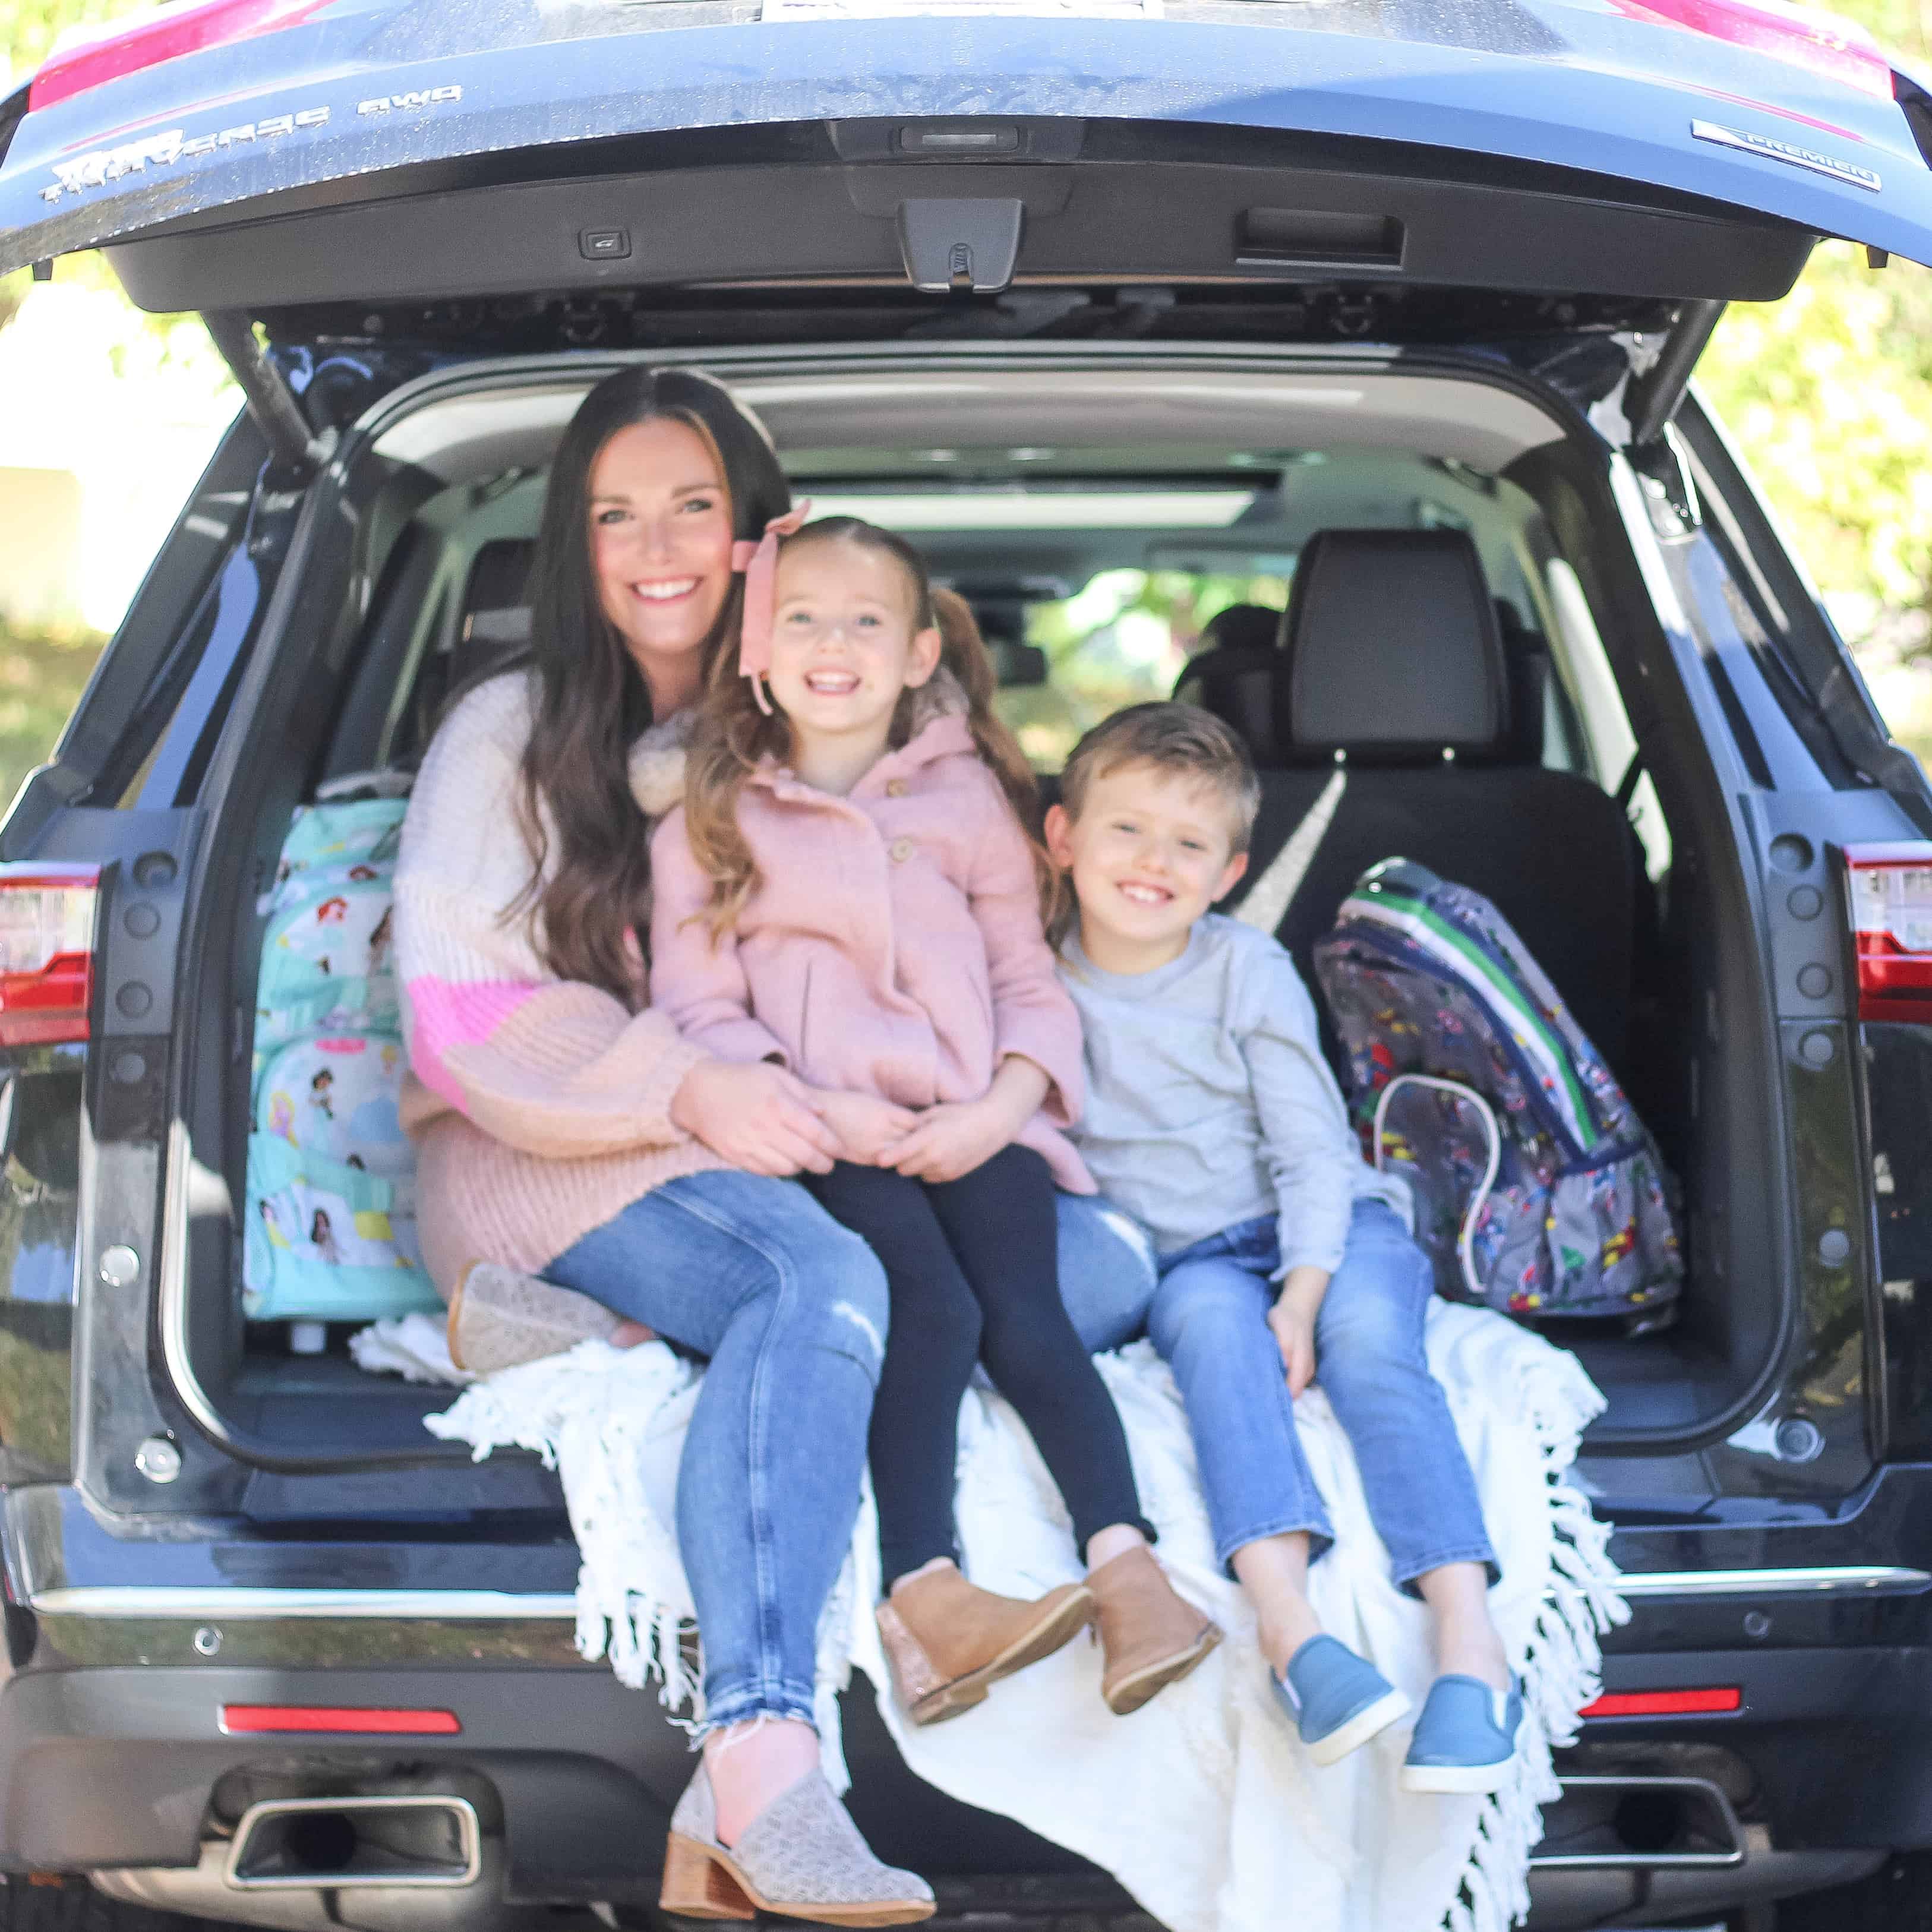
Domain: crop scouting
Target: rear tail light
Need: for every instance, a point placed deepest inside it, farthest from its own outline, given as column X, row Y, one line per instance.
column 1890, row 891
column 1822, row 42
column 161, row 34
column 47, row 951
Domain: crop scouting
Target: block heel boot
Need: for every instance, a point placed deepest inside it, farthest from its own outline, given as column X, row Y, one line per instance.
column 802, row 1857
column 499, row 1319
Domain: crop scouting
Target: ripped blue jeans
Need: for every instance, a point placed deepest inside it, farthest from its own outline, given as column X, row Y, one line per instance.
column 790, row 1309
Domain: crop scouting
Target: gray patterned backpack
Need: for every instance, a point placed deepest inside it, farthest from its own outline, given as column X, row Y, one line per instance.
column 1538, row 1190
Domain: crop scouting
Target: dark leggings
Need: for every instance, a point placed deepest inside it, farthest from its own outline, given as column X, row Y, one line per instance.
column 972, row 1266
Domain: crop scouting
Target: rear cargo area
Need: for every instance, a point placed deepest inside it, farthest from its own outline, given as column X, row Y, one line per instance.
column 1098, row 509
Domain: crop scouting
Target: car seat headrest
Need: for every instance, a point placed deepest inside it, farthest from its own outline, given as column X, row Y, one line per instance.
column 495, row 609
column 1232, row 675
column 1391, row 652
column 1239, row 626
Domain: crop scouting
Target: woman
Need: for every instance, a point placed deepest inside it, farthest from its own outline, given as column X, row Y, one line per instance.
column 564, row 1130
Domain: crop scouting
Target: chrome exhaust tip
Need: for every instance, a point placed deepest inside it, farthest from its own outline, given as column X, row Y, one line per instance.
column 329, row 1843
column 1635, row 1821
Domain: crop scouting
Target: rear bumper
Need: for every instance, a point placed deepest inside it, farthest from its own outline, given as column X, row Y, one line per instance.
column 118, row 1767
column 1834, row 1740
column 1825, row 1769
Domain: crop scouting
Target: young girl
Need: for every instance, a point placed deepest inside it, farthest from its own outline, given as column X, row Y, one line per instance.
column 850, row 891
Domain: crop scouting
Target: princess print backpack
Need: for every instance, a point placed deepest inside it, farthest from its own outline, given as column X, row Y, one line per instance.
column 331, row 1219
column 1538, row 1191
column 326, row 956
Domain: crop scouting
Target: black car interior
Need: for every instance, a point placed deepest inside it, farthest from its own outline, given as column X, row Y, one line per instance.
column 1390, row 667
column 1416, row 662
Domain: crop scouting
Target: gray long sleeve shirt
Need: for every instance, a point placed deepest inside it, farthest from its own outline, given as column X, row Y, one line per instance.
column 1209, row 1103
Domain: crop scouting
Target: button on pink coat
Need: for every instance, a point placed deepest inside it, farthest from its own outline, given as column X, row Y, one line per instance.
column 892, row 945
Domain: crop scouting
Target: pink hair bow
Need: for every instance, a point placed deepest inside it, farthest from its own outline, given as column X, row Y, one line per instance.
column 758, row 559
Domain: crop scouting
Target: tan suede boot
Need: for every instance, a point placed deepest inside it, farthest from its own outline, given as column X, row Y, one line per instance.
column 1150, row 1634
column 946, row 1640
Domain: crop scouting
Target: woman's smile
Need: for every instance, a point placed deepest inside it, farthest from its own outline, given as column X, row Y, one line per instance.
column 667, row 591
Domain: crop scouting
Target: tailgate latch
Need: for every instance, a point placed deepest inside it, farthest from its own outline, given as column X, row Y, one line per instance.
column 960, row 246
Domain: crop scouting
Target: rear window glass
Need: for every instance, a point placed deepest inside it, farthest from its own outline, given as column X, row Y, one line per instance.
column 1125, row 638
column 1094, row 587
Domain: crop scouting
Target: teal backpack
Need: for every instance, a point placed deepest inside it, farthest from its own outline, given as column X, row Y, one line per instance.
column 331, row 1233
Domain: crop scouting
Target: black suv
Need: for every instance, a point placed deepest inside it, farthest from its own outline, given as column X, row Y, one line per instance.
column 1137, row 288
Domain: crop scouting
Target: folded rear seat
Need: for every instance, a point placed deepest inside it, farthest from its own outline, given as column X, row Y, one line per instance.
column 1392, row 678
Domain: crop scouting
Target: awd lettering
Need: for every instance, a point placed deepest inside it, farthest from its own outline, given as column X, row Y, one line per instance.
column 409, row 103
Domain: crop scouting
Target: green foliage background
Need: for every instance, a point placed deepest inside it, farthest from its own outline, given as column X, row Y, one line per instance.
column 27, row 27
column 1828, row 393
column 28, row 30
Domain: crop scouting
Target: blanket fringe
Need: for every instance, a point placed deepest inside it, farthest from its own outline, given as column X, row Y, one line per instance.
column 591, row 1415
column 595, row 1414
column 566, row 1409
column 1562, row 1667
column 644, row 1638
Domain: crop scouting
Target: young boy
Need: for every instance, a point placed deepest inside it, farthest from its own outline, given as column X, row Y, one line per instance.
column 1212, row 1116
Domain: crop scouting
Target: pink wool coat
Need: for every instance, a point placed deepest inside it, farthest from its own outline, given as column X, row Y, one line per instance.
column 892, row 945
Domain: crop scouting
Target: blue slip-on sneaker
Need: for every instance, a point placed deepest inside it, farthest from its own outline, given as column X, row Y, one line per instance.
column 1338, row 1700
column 1465, row 1740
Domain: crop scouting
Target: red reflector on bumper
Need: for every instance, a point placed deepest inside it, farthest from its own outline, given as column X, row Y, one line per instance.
column 340, row 1719
column 1665, row 1703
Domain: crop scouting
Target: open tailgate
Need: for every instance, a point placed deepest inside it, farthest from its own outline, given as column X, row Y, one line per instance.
column 392, row 151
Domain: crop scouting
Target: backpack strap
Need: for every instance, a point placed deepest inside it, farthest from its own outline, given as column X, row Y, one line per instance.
column 1492, row 1133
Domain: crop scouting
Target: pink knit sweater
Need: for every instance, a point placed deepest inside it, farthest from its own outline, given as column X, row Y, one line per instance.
column 540, row 1106
column 892, row 945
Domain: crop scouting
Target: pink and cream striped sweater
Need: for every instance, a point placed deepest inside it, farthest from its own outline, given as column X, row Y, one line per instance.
column 540, row 1106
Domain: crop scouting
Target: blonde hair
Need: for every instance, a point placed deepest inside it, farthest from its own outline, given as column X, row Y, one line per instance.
column 733, row 735
column 1182, row 738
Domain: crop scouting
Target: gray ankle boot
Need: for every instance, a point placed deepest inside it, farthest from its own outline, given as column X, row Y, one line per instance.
column 802, row 1857
column 499, row 1318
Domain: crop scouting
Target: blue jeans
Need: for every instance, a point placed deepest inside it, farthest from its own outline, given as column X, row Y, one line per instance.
column 791, row 1310
column 1209, row 1318
column 1108, row 1271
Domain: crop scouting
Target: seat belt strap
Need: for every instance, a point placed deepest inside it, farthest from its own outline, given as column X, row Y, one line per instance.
column 1627, row 785
column 1266, row 902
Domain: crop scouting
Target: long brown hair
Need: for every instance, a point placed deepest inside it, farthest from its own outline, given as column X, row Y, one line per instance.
column 734, row 735
column 592, row 701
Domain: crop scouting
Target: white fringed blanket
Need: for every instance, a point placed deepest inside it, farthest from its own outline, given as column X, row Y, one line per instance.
column 1203, row 1804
